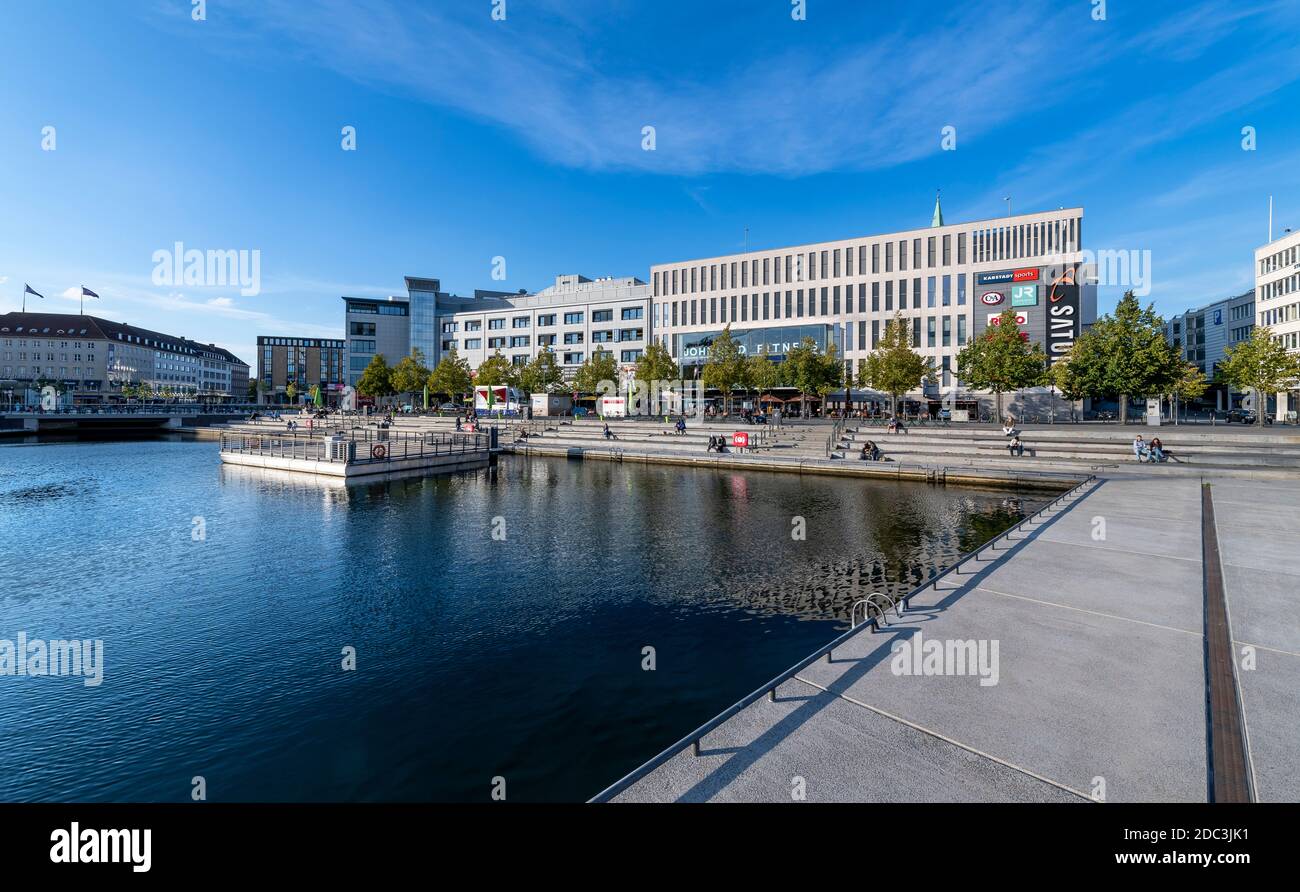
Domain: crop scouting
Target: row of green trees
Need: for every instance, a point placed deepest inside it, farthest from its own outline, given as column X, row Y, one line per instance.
column 809, row 370
column 1123, row 355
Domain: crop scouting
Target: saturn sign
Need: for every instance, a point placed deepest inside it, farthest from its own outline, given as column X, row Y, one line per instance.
column 991, row 298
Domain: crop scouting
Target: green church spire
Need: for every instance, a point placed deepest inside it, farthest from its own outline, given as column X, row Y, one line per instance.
column 937, row 219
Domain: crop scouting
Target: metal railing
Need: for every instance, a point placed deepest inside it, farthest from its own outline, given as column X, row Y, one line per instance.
column 768, row 690
column 359, row 446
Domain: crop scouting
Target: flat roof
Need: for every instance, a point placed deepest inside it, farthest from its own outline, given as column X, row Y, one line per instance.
column 922, row 230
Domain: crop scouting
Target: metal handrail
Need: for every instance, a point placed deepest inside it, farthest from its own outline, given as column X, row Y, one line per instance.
column 769, row 689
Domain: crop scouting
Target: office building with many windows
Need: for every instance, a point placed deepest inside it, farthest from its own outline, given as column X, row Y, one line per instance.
column 574, row 317
column 1204, row 334
column 91, row 359
column 949, row 280
column 303, row 362
column 1277, row 303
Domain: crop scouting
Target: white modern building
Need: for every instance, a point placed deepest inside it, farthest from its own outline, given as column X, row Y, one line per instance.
column 574, row 317
column 949, row 280
column 1277, row 302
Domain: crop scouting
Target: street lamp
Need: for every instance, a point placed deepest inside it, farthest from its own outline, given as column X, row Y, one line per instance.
column 1007, row 199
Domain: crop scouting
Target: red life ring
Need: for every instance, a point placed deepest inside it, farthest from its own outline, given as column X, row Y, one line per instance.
column 378, row 450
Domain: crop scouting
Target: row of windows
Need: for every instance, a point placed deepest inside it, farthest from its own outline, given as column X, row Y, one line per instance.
column 1277, row 315
column 1283, row 286
column 385, row 309
column 546, row 320
column 1279, row 259
column 933, row 291
column 989, row 244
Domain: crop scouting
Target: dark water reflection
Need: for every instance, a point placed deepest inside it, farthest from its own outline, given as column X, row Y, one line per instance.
column 477, row 656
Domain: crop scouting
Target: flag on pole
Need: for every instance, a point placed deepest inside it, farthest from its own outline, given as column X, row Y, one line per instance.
column 86, row 292
column 28, row 289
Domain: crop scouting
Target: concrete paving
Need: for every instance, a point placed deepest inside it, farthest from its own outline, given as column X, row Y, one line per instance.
column 1259, row 535
column 1097, row 611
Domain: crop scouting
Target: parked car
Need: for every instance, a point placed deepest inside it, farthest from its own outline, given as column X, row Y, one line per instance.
column 1244, row 416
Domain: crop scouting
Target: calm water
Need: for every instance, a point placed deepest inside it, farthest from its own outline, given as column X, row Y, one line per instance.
column 475, row 657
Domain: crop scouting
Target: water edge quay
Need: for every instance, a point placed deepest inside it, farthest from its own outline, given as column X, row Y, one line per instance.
column 1147, row 645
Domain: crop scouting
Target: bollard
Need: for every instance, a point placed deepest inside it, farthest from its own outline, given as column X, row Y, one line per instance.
column 695, row 747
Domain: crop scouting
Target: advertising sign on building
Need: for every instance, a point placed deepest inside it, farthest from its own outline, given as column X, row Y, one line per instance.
column 1006, row 276
column 991, row 298
column 693, row 348
column 1063, row 326
column 1024, row 295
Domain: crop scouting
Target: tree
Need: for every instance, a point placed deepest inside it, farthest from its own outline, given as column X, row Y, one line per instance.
column 656, row 364
column 1125, row 355
column 598, row 368
column 497, row 370
column 761, row 373
column 253, row 387
column 1260, row 364
column 377, row 379
column 410, row 375
column 810, row 371
column 290, row 393
column 725, row 367
column 543, row 374
column 1000, row 360
column 452, row 377
column 894, row 367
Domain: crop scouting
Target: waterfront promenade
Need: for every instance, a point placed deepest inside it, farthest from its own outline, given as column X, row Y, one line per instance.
column 1110, row 683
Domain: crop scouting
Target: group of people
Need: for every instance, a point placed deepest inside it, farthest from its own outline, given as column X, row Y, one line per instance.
column 1149, row 452
column 717, row 444
column 870, row 451
column 609, row 434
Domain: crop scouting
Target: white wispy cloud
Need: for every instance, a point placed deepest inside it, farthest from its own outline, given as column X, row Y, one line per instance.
column 800, row 109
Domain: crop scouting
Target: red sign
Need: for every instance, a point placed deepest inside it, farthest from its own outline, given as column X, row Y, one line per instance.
column 1025, row 275
column 740, row 439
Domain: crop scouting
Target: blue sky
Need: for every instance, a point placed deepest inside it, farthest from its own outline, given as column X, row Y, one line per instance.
column 523, row 139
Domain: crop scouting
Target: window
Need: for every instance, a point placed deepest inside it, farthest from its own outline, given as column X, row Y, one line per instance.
column 496, row 324
column 366, row 329
column 597, row 337
column 447, row 327
column 363, row 346
column 520, row 322
column 474, row 325
column 543, row 321
column 573, row 337
column 633, row 312
column 631, row 355
column 572, row 319
column 630, row 334
column 600, row 316
column 473, row 343
column 520, row 341
column 496, row 343
column 875, row 297
column 546, row 340
column 572, row 359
